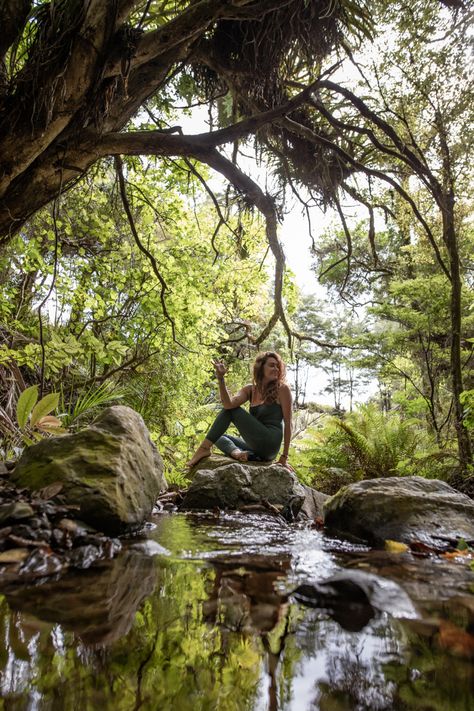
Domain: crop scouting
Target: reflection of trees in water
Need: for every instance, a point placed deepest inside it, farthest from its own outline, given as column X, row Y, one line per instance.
column 216, row 637
column 349, row 664
column 245, row 598
column 430, row 679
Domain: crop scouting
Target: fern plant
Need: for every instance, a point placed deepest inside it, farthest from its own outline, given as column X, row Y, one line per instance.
column 369, row 444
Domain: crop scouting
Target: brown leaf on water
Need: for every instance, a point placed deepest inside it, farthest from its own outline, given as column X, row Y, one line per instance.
column 421, row 548
column 463, row 555
column 456, row 640
column 51, row 490
column 14, row 555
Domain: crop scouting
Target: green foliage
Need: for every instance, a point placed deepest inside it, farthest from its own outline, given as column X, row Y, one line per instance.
column 33, row 420
column 106, row 335
column 25, row 404
column 369, row 444
column 42, row 408
column 36, row 412
column 467, row 400
column 87, row 402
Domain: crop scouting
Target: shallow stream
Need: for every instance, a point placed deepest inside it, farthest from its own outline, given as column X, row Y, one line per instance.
column 200, row 615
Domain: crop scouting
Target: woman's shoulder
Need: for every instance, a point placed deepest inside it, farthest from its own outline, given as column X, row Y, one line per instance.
column 284, row 389
column 284, row 393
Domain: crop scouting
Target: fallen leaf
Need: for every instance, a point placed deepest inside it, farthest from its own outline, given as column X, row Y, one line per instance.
column 21, row 541
column 455, row 639
column 396, row 546
column 421, row 548
column 51, row 490
column 14, row 555
column 49, row 421
column 463, row 554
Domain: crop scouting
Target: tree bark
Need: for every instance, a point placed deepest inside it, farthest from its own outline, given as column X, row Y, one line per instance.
column 450, row 238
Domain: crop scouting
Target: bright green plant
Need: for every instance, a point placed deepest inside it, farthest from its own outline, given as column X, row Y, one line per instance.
column 87, row 402
column 34, row 417
column 369, row 444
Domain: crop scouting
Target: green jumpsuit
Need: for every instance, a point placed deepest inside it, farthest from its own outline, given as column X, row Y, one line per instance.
column 261, row 430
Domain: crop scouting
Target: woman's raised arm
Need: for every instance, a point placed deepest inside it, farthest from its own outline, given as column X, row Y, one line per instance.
column 230, row 401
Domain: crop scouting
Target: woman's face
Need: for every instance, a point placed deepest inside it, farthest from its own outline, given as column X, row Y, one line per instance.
column 270, row 369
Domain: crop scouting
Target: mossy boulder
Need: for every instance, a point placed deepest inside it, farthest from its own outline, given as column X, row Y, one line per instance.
column 111, row 470
column 233, row 486
column 405, row 509
column 214, row 461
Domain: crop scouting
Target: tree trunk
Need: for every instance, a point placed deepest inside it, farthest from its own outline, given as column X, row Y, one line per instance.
column 450, row 238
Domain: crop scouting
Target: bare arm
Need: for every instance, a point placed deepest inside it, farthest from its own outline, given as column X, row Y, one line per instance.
column 286, row 402
column 230, row 401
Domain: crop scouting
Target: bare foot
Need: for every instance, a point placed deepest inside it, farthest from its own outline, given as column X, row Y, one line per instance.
column 200, row 453
column 239, row 455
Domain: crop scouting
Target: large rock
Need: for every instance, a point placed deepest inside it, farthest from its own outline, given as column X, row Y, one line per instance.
column 403, row 509
column 111, row 470
column 313, row 505
column 214, row 461
column 233, row 486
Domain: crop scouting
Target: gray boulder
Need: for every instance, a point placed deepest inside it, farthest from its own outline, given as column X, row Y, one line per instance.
column 313, row 505
column 214, row 461
column 111, row 470
column 404, row 509
column 233, row 486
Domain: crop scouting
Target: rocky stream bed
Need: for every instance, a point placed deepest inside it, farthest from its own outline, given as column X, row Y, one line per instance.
column 247, row 590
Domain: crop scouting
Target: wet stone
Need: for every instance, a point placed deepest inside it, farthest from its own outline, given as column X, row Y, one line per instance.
column 15, row 511
column 35, row 533
column 42, row 539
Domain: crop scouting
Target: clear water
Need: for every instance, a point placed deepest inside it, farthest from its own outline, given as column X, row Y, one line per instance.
column 200, row 616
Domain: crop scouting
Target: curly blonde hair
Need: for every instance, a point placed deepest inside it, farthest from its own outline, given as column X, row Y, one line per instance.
column 270, row 393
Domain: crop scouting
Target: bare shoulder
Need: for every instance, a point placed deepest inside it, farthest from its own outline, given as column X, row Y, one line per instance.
column 284, row 393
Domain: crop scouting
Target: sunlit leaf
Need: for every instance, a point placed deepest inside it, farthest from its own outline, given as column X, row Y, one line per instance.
column 396, row 547
column 47, row 404
column 25, row 404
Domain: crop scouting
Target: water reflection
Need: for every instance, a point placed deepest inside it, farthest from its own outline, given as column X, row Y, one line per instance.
column 212, row 626
column 98, row 605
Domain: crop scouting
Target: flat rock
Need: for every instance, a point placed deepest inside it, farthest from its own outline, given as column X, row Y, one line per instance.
column 403, row 509
column 111, row 470
column 235, row 485
column 220, row 460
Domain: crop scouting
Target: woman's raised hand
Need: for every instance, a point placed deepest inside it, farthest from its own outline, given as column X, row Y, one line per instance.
column 220, row 368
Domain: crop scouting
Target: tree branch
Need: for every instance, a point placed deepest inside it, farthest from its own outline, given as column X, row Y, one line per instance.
column 141, row 246
column 318, row 138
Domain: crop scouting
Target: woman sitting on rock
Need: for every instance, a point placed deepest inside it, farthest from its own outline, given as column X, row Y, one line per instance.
column 261, row 428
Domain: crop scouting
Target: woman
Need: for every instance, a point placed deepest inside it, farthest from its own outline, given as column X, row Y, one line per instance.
column 262, row 428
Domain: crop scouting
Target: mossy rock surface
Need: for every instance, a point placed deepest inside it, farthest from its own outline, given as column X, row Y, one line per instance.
column 111, row 470
column 235, row 485
column 214, row 461
column 405, row 509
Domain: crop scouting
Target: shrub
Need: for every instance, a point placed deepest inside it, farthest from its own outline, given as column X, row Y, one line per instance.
column 368, row 444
